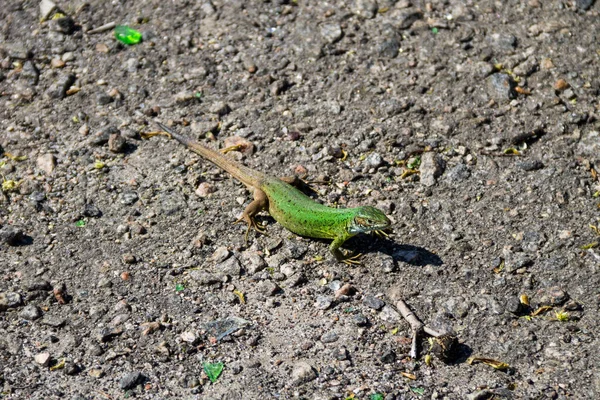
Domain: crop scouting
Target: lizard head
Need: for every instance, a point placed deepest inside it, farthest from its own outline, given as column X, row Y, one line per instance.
column 367, row 219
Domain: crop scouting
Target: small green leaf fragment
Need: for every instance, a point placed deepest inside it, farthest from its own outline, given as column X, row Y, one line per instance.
column 511, row 151
column 562, row 316
column 99, row 165
column 434, row 30
column 499, row 365
column 179, row 287
column 59, row 365
column 418, row 390
column 213, row 370
column 240, row 295
column 125, row 34
column 589, row 246
column 2, row 164
column 376, row 396
column 428, row 359
column 15, row 158
column 414, row 163
column 9, row 185
column 80, row 223
column 198, row 95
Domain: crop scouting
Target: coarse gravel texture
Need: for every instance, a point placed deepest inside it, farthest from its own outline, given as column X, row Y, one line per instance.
column 122, row 273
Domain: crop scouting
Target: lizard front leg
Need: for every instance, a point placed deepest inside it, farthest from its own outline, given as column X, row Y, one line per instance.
column 334, row 248
column 260, row 202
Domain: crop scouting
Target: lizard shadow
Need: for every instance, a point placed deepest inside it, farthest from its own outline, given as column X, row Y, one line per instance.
column 410, row 254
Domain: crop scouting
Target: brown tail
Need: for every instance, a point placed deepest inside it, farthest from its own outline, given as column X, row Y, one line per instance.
column 247, row 176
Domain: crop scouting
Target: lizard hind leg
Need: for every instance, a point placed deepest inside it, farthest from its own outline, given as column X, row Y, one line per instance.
column 259, row 203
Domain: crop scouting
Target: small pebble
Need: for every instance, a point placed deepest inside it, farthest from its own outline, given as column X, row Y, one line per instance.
column 205, row 189
column 10, row 235
column 374, row 160
column 116, row 143
column 561, row 85
column 346, row 290
column 268, row 288
column 302, row 372
column 340, row 353
column 221, row 254
column 10, row 300
column 47, row 163
column 31, row 312
column 220, row 108
column 42, row 359
column 128, row 198
column 530, row 165
column 360, row 320
column 329, row 337
column 131, row 380
column 552, row 296
column 323, row 302
column 57, row 63
column 129, row 259
column 432, row 167
column 501, row 87
column 373, row 302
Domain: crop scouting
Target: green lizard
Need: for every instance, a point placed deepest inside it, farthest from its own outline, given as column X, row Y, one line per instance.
column 289, row 206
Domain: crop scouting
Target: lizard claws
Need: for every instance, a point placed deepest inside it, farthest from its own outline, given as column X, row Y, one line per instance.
column 252, row 224
column 352, row 259
column 381, row 234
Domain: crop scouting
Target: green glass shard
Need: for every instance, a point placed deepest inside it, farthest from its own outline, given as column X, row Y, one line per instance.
column 213, row 370
column 127, row 35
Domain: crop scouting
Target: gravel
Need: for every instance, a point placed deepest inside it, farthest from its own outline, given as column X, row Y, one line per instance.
column 145, row 252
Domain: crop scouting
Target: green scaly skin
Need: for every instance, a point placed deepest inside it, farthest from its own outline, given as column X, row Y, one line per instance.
column 290, row 207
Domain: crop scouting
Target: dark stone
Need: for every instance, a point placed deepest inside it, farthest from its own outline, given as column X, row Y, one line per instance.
column 64, row 25
column 103, row 99
column 116, row 143
column 530, row 165
column 584, row 4
column 30, row 72
column 90, row 210
column 373, row 302
column 31, row 312
column 131, row 380
column 11, row 235
column 388, row 357
column 389, row 48
column 514, row 306
column 405, row 18
column 10, row 300
column 58, row 90
column 501, row 87
column 504, row 41
column 340, row 354
column 360, row 320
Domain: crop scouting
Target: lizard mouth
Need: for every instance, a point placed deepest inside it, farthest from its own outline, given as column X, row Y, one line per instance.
column 378, row 229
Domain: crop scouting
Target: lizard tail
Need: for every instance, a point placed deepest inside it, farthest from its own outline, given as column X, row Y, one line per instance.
column 247, row 176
